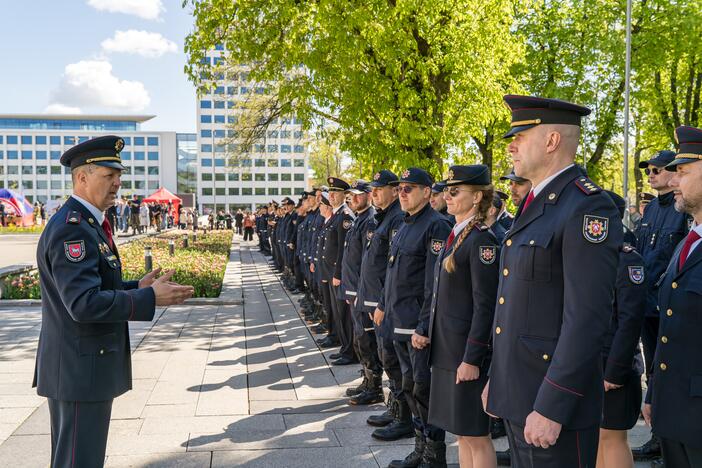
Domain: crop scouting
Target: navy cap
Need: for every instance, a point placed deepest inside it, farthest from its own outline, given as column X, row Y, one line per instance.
column 337, row 185
column 438, row 187
column 529, row 111
column 360, row 186
column 660, row 159
column 325, row 198
column 102, row 151
column 288, row 201
column 502, row 194
column 690, row 150
column 470, row 174
column 383, row 178
column 514, row 177
column 618, row 201
column 415, row 175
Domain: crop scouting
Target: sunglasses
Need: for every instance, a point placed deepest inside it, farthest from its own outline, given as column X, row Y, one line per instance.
column 454, row 191
column 654, row 170
column 407, row 188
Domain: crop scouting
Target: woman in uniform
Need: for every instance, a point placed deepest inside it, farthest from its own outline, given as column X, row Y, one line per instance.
column 465, row 290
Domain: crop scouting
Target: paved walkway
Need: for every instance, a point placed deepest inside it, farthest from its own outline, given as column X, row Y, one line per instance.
column 214, row 386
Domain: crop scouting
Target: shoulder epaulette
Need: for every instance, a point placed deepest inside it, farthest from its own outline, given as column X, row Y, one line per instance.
column 627, row 248
column 482, row 226
column 587, row 186
column 73, row 217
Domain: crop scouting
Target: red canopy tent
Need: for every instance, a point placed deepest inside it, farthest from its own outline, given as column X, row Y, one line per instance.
column 162, row 195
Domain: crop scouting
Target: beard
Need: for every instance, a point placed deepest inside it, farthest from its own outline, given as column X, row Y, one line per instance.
column 683, row 205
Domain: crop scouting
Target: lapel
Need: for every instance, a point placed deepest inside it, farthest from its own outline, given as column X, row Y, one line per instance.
column 694, row 258
column 548, row 196
column 87, row 216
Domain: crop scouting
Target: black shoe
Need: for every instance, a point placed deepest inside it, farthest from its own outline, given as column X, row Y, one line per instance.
column 400, row 428
column 319, row 330
column 334, row 356
column 415, row 458
column 381, row 420
column 434, row 455
column 657, row 463
column 497, row 428
column 369, row 397
column 328, row 343
column 353, row 391
column 344, row 361
column 648, row 451
column 503, row 458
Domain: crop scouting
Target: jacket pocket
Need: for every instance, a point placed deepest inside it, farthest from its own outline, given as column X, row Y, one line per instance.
column 97, row 345
column 535, row 257
column 694, row 285
column 539, row 347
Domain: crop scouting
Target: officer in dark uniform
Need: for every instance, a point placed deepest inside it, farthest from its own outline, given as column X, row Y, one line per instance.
column 519, row 188
column 438, row 203
column 661, row 229
column 325, row 274
column 396, row 422
column 262, row 227
column 406, row 302
column 84, row 358
column 363, row 332
column 298, row 236
column 336, row 230
column 674, row 399
column 497, row 211
column 558, row 270
column 317, row 225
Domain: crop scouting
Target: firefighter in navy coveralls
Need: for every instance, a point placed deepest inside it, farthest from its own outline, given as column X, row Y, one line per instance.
column 406, row 301
column 674, row 399
column 363, row 332
column 558, row 271
column 463, row 306
column 83, row 359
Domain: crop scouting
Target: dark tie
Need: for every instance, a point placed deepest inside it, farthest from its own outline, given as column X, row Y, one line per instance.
column 530, row 198
column 450, row 239
column 685, row 252
column 108, row 232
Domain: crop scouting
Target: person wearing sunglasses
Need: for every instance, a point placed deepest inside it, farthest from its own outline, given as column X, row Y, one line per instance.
column 465, row 292
column 438, row 202
column 406, row 302
column 661, row 229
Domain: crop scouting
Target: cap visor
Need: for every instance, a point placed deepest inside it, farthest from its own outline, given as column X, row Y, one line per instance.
column 355, row 191
column 672, row 167
column 514, row 130
column 112, row 164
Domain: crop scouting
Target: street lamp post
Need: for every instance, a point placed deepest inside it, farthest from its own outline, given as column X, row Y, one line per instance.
column 627, row 83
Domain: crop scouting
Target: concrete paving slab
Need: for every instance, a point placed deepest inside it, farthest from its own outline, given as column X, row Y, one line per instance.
column 212, row 424
column 160, row 460
column 260, row 440
column 338, row 457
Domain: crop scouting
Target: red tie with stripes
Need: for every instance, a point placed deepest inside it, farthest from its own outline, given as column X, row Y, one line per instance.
column 530, row 198
column 450, row 239
column 685, row 252
column 108, row 232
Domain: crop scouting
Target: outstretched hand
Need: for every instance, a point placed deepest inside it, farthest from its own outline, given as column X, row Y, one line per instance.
column 149, row 278
column 169, row 293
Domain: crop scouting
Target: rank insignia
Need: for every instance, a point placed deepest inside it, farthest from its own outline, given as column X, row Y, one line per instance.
column 436, row 246
column 347, row 224
column 488, row 254
column 355, row 184
column 119, row 145
column 369, row 235
column 636, row 274
column 595, row 228
column 376, row 176
column 450, row 174
column 75, row 250
column 73, row 217
column 406, row 173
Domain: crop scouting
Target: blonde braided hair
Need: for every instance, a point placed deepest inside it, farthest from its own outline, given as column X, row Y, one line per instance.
column 480, row 217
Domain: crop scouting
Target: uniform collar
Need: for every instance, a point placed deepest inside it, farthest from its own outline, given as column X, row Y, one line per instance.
column 666, row 198
column 548, row 180
column 99, row 215
column 461, row 226
column 336, row 210
column 412, row 218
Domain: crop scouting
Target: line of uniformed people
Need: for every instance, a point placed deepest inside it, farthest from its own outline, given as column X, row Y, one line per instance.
column 470, row 313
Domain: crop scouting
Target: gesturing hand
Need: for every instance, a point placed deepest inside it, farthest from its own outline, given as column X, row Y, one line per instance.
column 170, row 293
column 540, row 431
column 148, row 279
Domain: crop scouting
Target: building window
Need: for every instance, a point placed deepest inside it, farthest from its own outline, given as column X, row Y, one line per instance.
column 26, row 155
column 204, row 104
column 272, row 163
column 206, row 162
column 219, row 133
column 153, row 170
column 220, row 191
column 299, row 162
column 2, row 156
column 285, row 163
column 42, row 185
column 273, row 191
column 127, row 170
column 260, row 162
column 127, row 140
column 273, row 134
column 126, row 155
column 299, row 177
column 153, row 155
column 138, row 141
column 27, row 170
column 259, row 148
column 231, row 90
column 127, row 184
column 219, row 105
column 12, row 170
column 152, row 141
column 285, row 191
column 246, row 191
column 54, row 140
column 245, row 163
column 206, row 119
column 298, row 134
column 219, row 162
column 206, row 176
column 232, row 119
column 153, row 184
column 206, row 148
column 138, row 155
column 285, row 134
column 56, row 185
column 55, row 170
column 299, row 149
column 41, row 154
column 284, row 148
column 12, row 154
column 139, row 170
column 285, row 177
column 273, row 177
column 207, row 191
column 219, row 177
column 42, row 170
column 27, row 184
column 219, row 119
column 26, row 139
column 233, row 177
column 246, row 177
column 40, row 140
column 139, row 184
column 11, row 139
column 272, row 148
column 260, row 191
column 206, row 133
column 233, row 190
column 260, row 177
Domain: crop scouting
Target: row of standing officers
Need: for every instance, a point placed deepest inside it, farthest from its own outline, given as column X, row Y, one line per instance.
column 535, row 320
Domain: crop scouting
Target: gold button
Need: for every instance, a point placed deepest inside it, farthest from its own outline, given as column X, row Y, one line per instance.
column 509, row 242
column 90, row 220
column 664, row 339
column 498, row 330
column 545, row 356
column 505, row 272
column 669, row 312
column 531, row 242
column 102, row 351
column 663, row 366
column 502, row 300
column 674, row 285
column 552, row 196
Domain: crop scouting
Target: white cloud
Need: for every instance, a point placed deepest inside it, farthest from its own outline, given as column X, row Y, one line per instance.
column 57, row 108
column 147, row 9
column 90, row 83
column 144, row 43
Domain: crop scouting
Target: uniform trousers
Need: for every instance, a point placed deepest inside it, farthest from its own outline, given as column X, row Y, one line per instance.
column 325, row 288
column 649, row 339
column 391, row 365
column 342, row 322
column 365, row 342
column 416, row 382
column 576, row 449
column 679, row 455
column 79, row 432
column 298, row 270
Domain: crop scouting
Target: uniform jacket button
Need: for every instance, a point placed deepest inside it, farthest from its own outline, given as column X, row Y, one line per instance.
column 664, row 339
column 502, row 300
column 674, row 285
column 498, row 330
column 663, row 366
column 669, row 312
column 102, row 351
column 545, row 356
column 505, row 272
column 509, row 242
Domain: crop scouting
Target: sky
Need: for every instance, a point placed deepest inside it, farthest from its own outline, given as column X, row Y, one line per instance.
column 97, row 56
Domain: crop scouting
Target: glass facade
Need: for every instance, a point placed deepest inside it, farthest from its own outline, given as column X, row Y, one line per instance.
column 69, row 124
column 187, row 162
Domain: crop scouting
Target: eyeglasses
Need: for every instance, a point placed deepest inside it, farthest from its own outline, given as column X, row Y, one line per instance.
column 407, row 188
column 655, row 171
column 454, row 191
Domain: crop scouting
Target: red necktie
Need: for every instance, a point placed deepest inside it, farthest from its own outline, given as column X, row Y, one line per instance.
column 450, row 239
column 108, row 232
column 685, row 252
column 530, row 198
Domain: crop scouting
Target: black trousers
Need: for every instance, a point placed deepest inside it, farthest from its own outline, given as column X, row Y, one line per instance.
column 341, row 315
column 577, row 449
column 649, row 339
column 79, row 432
column 391, row 365
column 678, row 455
column 248, row 234
column 325, row 289
column 365, row 342
column 416, row 382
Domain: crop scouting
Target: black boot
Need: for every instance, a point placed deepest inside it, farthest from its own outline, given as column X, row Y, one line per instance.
column 434, row 455
column 360, row 389
column 382, row 420
column 400, row 428
column 373, row 393
column 497, row 428
column 504, row 458
column 648, row 451
column 415, row 458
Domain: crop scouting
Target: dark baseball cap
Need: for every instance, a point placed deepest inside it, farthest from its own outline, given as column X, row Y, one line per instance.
column 415, row 175
column 660, row 159
column 383, row 178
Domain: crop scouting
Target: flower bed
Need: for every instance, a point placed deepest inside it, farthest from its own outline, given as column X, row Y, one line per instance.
column 12, row 229
column 201, row 265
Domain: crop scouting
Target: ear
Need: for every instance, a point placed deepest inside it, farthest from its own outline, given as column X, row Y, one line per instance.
column 553, row 141
column 478, row 197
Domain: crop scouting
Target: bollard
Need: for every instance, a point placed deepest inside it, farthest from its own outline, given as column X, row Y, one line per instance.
column 148, row 260
column 185, row 241
column 171, row 247
column 194, row 237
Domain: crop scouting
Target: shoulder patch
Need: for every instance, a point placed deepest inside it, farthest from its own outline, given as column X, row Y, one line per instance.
column 595, row 228
column 436, row 246
column 75, row 250
column 587, row 186
column 488, row 254
column 347, row 224
column 73, row 217
column 636, row 274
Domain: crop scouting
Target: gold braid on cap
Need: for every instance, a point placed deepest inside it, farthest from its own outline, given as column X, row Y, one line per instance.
column 688, row 156
column 519, row 123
